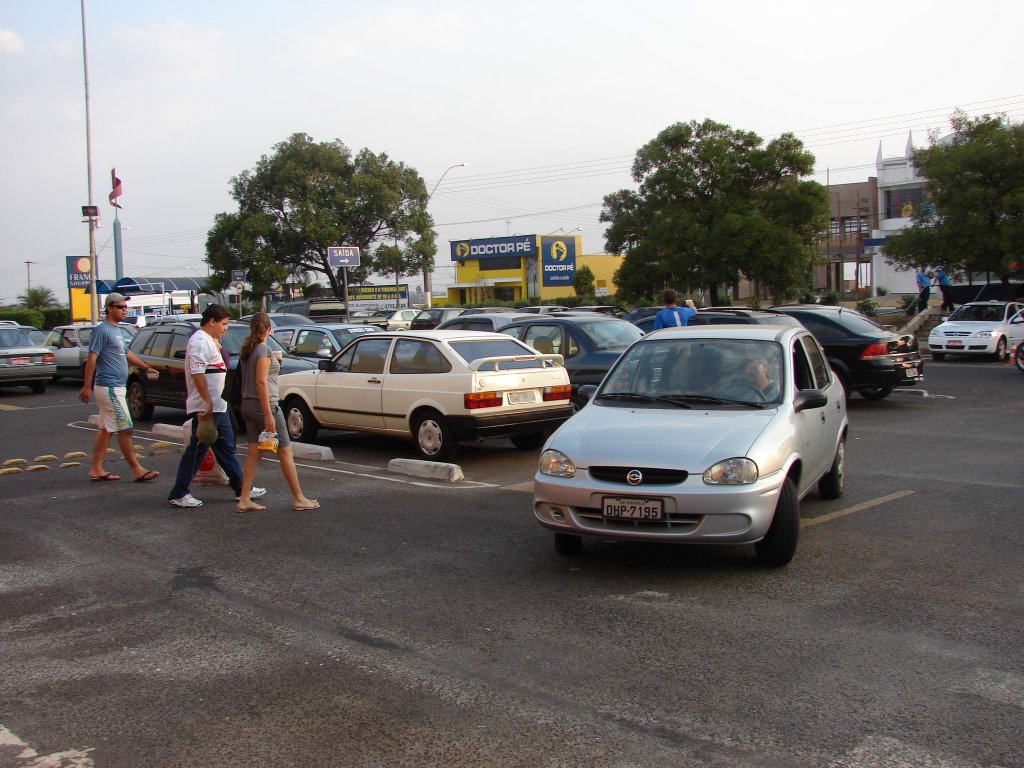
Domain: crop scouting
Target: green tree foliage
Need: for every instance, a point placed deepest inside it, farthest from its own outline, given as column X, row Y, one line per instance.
column 714, row 204
column 37, row 298
column 306, row 197
column 583, row 281
column 973, row 219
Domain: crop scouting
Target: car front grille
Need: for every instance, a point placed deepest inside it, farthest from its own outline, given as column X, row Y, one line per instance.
column 650, row 476
column 956, row 333
column 591, row 518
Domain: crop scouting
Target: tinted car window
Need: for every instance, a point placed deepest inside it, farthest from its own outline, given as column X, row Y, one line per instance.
column 818, row 365
column 413, row 356
column 155, row 344
column 477, row 350
column 179, row 343
column 823, row 328
column 366, row 356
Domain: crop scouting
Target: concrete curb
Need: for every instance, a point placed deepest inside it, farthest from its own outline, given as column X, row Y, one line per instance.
column 432, row 470
column 299, row 450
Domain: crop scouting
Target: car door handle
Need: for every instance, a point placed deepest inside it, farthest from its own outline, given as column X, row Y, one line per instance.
column 374, row 380
column 823, row 418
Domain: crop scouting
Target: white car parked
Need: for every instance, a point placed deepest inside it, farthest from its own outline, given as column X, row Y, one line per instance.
column 1017, row 339
column 977, row 328
column 433, row 387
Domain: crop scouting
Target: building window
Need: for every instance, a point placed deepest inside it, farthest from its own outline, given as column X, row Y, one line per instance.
column 902, row 203
column 833, row 227
column 506, row 262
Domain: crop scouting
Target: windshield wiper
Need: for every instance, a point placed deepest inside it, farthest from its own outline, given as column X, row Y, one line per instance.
column 626, row 396
column 707, row 400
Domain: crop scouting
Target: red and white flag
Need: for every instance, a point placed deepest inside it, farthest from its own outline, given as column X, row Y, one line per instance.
column 117, row 191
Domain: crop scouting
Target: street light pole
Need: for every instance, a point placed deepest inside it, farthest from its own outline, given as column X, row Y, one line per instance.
column 427, row 287
column 93, row 270
column 28, row 266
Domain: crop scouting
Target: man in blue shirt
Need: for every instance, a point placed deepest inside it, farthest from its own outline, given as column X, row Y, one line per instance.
column 946, row 286
column 673, row 316
column 924, row 288
column 108, row 361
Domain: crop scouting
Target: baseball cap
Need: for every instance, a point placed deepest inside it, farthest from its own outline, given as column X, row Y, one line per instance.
column 114, row 298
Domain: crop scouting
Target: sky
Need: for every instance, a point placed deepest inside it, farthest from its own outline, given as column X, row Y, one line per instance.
column 546, row 103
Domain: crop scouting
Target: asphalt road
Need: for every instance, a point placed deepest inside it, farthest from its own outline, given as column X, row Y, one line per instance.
column 410, row 623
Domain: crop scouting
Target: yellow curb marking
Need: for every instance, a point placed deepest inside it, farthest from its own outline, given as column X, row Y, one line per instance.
column 855, row 508
column 11, row 408
column 67, row 464
column 163, row 444
column 36, row 467
column 139, row 448
column 14, row 462
column 111, row 450
column 10, row 471
column 75, row 455
column 45, row 457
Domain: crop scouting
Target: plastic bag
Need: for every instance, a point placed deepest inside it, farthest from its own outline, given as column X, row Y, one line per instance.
column 206, row 432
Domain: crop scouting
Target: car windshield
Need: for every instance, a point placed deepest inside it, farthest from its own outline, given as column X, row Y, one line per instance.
column 476, row 350
column 978, row 313
column 15, row 337
column 613, row 334
column 697, row 372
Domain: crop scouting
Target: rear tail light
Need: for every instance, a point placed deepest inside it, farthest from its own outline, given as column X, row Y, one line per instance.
column 475, row 400
column 49, row 358
column 875, row 350
column 561, row 392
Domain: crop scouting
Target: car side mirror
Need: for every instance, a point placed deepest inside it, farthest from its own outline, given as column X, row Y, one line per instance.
column 325, row 365
column 808, row 399
column 324, row 353
column 585, row 394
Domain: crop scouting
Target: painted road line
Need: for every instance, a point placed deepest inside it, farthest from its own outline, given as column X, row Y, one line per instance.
column 806, row 523
column 5, row 407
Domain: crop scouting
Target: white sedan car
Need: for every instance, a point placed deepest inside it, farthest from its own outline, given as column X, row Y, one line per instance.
column 433, row 387
column 706, row 434
column 977, row 328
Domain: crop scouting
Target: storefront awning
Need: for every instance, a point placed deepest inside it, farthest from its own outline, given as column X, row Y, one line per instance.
column 130, row 286
column 488, row 282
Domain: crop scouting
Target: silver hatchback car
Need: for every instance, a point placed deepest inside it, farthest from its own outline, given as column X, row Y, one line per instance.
column 708, row 434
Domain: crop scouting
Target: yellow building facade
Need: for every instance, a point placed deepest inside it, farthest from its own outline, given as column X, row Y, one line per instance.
column 524, row 267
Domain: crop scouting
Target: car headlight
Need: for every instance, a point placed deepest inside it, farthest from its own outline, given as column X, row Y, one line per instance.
column 731, row 472
column 556, row 464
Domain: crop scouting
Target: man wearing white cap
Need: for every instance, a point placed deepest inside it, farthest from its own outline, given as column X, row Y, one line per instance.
column 108, row 361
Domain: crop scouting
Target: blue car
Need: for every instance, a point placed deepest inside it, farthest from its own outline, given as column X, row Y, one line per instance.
column 590, row 343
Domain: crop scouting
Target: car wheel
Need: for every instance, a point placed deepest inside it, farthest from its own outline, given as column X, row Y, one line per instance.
column 435, row 440
column 1019, row 357
column 529, row 442
column 875, row 393
column 779, row 544
column 568, row 544
column 938, row 357
column 300, row 422
column 137, row 405
column 38, row 387
column 832, row 485
column 1000, row 353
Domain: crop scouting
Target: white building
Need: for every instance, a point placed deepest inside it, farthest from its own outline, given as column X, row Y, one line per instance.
column 900, row 191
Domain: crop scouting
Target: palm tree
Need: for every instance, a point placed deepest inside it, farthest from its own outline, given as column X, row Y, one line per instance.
column 37, row 298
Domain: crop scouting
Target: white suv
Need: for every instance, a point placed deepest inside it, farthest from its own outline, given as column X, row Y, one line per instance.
column 977, row 328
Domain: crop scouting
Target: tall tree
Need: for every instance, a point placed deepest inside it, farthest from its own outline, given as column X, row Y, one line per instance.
column 37, row 298
column 306, row 197
column 973, row 218
column 714, row 204
column 583, row 281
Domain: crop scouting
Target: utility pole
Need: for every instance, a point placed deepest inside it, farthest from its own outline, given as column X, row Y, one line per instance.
column 93, row 269
column 28, row 266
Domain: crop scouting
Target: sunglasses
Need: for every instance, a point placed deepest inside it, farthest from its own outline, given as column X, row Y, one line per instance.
column 118, row 306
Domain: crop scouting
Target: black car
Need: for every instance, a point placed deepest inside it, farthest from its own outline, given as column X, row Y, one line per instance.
column 429, row 319
column 866, row 357
column 639, row 313
column 590, row 342
column 727, row 316
column 482, row 321
column 163, row 347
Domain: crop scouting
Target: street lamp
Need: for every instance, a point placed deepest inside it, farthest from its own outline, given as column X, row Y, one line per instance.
column 426, row 272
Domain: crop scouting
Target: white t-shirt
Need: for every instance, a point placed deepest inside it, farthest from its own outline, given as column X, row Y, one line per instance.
column 203, row 356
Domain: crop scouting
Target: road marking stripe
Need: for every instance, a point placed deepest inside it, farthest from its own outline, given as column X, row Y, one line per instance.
column 855, row 508
column 4, row 407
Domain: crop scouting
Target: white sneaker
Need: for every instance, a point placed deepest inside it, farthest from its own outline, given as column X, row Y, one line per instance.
column 187, row 501
column 255, row 493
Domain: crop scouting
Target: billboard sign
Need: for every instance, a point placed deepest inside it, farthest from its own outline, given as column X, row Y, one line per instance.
column 494, row 247
column 379, row 293
column 558, row 260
